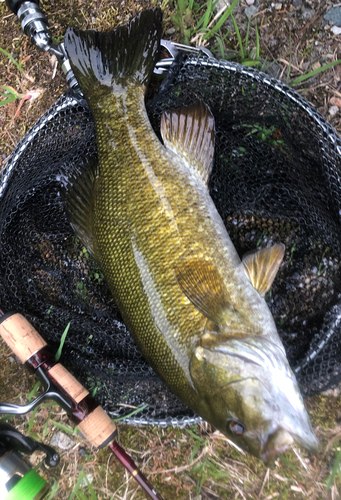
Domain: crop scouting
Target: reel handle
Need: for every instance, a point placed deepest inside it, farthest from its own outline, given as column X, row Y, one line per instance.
column 26, row 343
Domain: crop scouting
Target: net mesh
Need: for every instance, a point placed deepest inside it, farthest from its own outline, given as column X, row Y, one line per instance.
column 276, row 178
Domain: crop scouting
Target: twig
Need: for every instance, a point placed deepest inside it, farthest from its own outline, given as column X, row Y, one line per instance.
column 304, row 465
column 266, row 478
column 287, row 63
column 312, row 21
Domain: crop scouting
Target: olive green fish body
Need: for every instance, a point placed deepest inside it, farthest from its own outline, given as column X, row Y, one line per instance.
column 159, row 215
column 146, row 214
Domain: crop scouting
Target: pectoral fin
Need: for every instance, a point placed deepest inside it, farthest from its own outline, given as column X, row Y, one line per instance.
column 261, row 266
column 80, row 194
column 189, row 132
column 203, row 286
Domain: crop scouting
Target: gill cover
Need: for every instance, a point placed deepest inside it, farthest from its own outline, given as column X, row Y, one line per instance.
column 249, row 381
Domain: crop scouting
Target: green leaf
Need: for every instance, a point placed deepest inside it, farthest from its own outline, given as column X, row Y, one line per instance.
column 290, row 465
column 7, row 101
column 131, row 414
column 191, row 433
column 53, row 490
column 31, row 421
column 257, row 42
column 238, row 36
column 247, row 33
column 221, row 21
column 34, row 392
column 78, row 494
column 64, row 428
column 18, row 65
column 335, row 470
column 315, row 72
column 221, row 46
column 207, row 15
column 62, row 340
column 46, row 425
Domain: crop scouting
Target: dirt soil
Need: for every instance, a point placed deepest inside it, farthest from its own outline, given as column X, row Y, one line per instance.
column 297, row 37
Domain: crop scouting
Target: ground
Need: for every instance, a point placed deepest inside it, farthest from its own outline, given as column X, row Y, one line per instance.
column 298, row 37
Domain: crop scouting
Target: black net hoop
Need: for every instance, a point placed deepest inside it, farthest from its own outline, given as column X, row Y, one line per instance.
column 276, row 178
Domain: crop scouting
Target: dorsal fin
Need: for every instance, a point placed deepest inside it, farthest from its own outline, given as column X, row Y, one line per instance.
column 261, row 266
column 189, row 132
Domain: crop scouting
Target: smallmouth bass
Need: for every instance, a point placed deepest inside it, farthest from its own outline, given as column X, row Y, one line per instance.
column 194, row 309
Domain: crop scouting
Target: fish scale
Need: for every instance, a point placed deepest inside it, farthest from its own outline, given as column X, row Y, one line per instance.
column 141, row 213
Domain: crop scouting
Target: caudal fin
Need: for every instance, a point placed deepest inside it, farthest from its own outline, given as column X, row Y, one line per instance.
column 126, row 55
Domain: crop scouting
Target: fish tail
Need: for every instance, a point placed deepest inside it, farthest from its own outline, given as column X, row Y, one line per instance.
column 126, row 55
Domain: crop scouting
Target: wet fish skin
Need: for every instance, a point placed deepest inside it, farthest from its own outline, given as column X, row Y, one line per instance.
column 147, row 217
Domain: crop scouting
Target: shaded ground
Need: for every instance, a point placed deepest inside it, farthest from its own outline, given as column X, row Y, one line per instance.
column 194, row 463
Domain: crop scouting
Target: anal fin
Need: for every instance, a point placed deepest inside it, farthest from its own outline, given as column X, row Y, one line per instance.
column 262, row 265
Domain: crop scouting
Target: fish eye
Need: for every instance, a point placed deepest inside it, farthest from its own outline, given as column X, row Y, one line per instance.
column 237, row 427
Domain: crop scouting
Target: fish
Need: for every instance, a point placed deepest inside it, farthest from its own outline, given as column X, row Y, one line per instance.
column 195, row 310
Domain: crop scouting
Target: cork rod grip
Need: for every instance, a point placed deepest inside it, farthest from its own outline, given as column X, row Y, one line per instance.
column 20, row 336
column 98, row 428
column 68, row 382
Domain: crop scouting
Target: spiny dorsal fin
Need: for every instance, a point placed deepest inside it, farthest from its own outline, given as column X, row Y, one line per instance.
column 189, row 132
column 261, row 266
column 203, row 286
column 80, row 203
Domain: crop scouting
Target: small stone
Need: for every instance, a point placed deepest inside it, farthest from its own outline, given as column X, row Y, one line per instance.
column 221, row 4
column 11, row 359
column 250, row 11
column 327, row 27
column 333, row 16
column 170, row 31
column 316, row 65
column 333, row 110
column 335, row 393
column 308, row 13
column 278, row 6
column 335, row 101
column 336, row 30
column 297, row 3
column 85, row 482
column 62, row 441
column 250, row 2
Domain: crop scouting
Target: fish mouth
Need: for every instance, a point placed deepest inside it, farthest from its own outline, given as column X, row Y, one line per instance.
column 277, row 443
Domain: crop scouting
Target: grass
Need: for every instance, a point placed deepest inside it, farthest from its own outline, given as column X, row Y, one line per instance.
column 210, row 27
column 7, row 54
column 310, row 74
column 197, row 460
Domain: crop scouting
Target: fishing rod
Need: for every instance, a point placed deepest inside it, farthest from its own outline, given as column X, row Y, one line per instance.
column 60, row 386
